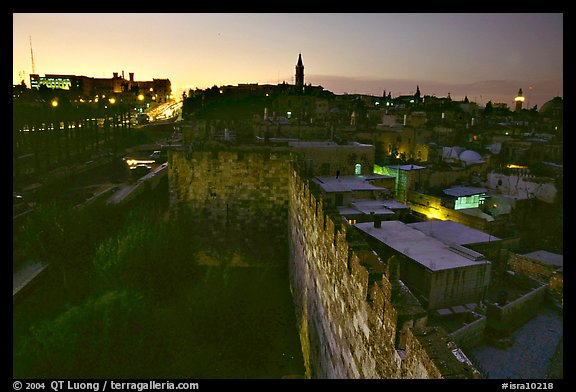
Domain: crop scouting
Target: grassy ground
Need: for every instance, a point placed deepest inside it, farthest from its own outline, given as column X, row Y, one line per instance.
column 232, row 323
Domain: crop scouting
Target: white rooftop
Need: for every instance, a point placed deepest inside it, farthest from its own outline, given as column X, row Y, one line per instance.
column 345, row 184
column 346, row 210
column 546, row 257
column 327, row 144
column 374, row 176
column 369, row 206
column 394, row 204
column 449, row 231
column 425, row 250
column 458, row 191
column 406, row 167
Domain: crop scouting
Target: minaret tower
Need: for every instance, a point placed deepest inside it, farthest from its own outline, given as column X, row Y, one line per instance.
column 299, row 85
column 519, row 100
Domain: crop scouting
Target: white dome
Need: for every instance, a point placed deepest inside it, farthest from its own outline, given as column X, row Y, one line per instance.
column 470, row 156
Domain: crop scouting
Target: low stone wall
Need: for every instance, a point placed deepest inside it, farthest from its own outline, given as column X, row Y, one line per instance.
column 527, row 266
column 471, row 334
column 524, row 308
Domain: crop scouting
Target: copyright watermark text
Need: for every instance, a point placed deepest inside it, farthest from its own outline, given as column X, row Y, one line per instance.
column 102, row 385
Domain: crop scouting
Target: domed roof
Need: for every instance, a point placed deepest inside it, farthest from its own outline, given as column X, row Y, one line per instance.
column 470, row 156
column 552, row 105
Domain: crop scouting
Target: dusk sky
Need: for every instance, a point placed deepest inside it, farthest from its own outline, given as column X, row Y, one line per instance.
column 486, row 57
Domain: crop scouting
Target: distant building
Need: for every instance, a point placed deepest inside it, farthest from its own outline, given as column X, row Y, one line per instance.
column 408, row 177
column 440, row 274
column 158, row 90
column 331, row 158
column 361, row 198
column 462, row 197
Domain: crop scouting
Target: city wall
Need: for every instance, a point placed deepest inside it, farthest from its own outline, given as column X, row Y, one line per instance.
column 351, row 324
column 241, row 189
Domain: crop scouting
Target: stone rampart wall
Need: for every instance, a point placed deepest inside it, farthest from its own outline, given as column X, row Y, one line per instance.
column 239, row 189
column 347, row 318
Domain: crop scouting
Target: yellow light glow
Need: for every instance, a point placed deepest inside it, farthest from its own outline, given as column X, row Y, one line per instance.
column 54, row 103
column 133, row 162
column 433, row 214
column 112, row 100
column 513, row 166
column 519, row 99
column 141, row 97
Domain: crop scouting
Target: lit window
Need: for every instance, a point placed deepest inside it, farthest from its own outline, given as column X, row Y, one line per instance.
column 358, row 169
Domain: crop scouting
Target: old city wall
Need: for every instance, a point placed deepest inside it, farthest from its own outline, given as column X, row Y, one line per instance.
column 243, row 189
column 348, row 324
column 347, row 319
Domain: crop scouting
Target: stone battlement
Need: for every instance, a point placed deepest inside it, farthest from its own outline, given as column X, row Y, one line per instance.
column 356, row 320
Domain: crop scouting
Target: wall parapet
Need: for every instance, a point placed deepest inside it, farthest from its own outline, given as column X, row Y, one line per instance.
column 357, row 320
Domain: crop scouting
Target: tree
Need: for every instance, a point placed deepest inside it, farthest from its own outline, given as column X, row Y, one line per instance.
column 148, row 255
column 106, row 336
column 56, row 235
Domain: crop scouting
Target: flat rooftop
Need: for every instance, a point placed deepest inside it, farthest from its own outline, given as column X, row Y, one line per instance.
column 345, row 184
column 459, row 191
column 428, row 251
column 365, row 206
column 449, row 231
column 546, row 257
column 327, row 145
column 394, row 204
column 406, row 167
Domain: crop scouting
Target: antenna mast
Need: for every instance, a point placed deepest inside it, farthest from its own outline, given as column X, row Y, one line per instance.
column 32, row 55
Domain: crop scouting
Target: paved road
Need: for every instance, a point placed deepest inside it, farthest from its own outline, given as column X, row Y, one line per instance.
column 530, row 356
column 25, row 275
